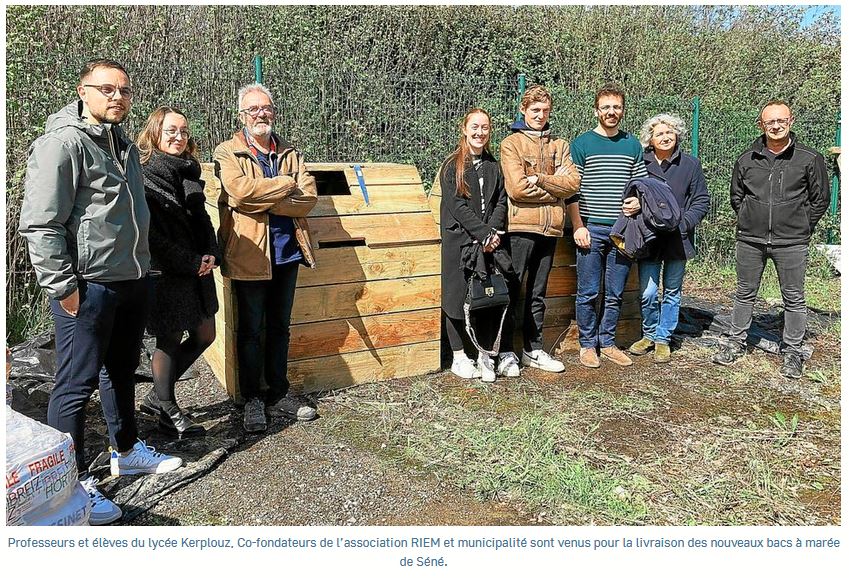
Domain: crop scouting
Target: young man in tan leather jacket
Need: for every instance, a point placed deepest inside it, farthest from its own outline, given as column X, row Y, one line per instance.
column 265, row 194
column 539, row 176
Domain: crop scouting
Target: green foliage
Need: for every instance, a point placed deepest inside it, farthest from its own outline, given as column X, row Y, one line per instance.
column 390, row 83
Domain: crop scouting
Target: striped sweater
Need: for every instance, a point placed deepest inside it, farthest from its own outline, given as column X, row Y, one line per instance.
column 606, row 165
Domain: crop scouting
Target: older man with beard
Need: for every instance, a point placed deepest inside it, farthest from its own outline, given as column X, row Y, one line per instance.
column 265, row 194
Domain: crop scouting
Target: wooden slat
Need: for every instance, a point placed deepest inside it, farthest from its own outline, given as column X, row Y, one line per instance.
column 377, row 230
column 382, row 199
column 323, row 303
column 325, row 338
column 363, row 367
column 347, row 264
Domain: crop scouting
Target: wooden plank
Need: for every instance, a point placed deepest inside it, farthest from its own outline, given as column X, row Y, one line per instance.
column 349, row 369
column 326, row 338
column 382, row 199
column 347, row 264
column 377, row 230
column 322, row 303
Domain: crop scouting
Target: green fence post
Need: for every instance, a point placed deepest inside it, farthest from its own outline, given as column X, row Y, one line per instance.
column 522, row 83
column 258, row 68
column 694, row 146
column 835, row 185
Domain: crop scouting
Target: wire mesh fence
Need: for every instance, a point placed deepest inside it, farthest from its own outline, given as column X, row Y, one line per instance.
column 339, row 116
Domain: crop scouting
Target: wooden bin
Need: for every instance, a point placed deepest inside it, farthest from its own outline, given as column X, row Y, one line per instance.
column 370, row 310
column 559, row 325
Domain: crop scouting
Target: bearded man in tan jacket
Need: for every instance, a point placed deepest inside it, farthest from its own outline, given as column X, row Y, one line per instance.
column 266, row 192
column 539, row 176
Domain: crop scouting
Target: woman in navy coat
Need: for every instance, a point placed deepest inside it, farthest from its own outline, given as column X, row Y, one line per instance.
column 661, row 138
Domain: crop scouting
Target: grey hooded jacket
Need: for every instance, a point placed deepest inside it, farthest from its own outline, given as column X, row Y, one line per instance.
column 84, row 213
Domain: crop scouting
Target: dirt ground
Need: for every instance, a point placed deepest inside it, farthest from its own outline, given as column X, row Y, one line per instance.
column 685, row 443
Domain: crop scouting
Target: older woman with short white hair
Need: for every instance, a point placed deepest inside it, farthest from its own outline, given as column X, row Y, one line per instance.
column 661, row 138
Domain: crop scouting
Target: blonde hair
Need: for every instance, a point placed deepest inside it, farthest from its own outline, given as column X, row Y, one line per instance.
column 151, row 134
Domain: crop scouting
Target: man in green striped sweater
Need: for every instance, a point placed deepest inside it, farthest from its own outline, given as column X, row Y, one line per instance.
column 607, row 159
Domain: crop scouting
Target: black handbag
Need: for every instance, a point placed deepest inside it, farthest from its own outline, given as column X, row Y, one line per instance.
column 487, row 293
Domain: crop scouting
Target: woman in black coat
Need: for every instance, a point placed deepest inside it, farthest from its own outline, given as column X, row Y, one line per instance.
column 184, row 251
column 473, row 211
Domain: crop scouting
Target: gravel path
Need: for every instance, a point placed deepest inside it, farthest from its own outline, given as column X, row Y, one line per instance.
column 300, row 474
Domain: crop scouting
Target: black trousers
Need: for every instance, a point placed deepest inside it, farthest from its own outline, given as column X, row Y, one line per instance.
column 100, row 347
column 272, row 302
column 533, row 253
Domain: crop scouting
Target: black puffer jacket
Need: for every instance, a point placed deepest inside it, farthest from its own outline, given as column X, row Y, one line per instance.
column 779, row 199
column 180, row 234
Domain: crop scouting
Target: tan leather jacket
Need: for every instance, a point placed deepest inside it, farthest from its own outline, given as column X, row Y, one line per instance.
column 247, row 197
column 537, row 208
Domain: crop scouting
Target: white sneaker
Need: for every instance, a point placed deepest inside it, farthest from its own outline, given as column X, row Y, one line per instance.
column 103, row 511
column 142, row 459
column 487, row 368
column 465, row 368
column 541, row 360
column 508, row 364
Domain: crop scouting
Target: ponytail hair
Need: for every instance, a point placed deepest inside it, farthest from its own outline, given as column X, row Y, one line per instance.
column 462, row 156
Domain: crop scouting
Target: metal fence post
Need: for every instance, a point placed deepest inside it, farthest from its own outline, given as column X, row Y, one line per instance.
column 522, row 83
column 694, row 144
column 258, row 68
column 835, row 185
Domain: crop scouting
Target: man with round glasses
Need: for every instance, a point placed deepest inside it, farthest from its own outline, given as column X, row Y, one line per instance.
column 779, row 190
column 265, row 194
column 85, row 220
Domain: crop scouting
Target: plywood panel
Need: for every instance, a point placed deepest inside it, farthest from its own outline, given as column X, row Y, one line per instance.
column 322, row 303
column 346, row 264
column 376, row 230
column 382, row 199
column 350, row 369
column 325, row 338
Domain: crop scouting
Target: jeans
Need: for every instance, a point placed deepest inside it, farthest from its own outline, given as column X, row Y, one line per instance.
column 272, row 301
column 533, row 253
column 660, row 316
column 99, row 348
column 600, row 267
column 790, row 263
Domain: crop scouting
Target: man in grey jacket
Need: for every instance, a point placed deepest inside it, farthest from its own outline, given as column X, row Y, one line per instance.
column 85, row 220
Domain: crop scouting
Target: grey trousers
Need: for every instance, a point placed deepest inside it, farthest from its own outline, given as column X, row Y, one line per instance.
column 790, row 263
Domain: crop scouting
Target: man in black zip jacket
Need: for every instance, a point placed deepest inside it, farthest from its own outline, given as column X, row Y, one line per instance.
column 779, row 191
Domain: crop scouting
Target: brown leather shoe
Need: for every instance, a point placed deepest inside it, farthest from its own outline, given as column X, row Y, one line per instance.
column 588, row 357
column 616, row 356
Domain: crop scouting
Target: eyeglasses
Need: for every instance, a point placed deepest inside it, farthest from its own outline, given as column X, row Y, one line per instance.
column 776, row 122
column 108, row 90
column 254, row 111
column 173, row 132
column 608, row 107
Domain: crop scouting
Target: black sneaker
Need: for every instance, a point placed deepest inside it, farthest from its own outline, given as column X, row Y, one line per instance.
column 728, row 354
column 792, row 366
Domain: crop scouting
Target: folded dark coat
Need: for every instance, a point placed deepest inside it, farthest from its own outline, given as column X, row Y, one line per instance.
column 659, row 211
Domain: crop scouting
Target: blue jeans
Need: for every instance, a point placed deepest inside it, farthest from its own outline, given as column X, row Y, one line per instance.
column 660, row 316
column 269, row 302
column 601, row 263
column 99, row 349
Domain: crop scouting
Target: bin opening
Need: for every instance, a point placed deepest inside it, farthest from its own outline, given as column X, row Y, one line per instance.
column 331, row 183
column 361, row 242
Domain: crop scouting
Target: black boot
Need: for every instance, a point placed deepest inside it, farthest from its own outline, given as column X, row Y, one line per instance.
column 174, row 421
column 150, row 403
